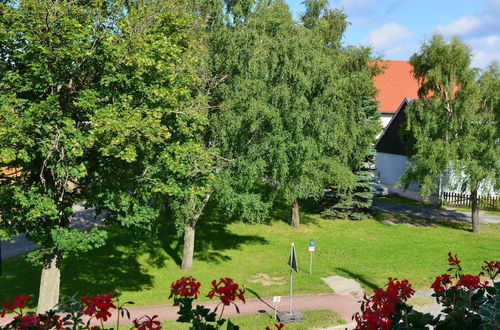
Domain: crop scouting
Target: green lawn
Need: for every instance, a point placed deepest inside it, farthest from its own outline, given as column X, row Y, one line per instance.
column 312, row 319
column 141, row 268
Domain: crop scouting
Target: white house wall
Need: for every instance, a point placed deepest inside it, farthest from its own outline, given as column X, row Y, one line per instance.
column 390, row 167
column 386, row 118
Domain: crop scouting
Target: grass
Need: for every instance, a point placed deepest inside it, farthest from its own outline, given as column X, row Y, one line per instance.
column 141, row 269
column 312, row 319
column 467, row 210
column 399, row 199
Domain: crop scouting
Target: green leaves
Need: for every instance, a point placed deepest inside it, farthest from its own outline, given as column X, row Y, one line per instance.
column 98, row 103
column 296, row 110
column 452, row 124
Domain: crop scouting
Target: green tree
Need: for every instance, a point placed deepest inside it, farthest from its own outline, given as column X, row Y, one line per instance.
column 98, row 104
column 354, row 203
column 290, row 109
column 453, row 125
column 292, row 116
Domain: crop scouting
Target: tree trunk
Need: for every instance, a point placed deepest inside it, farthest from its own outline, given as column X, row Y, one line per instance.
column 295, row 214
column 474, row 205
column 49, row 283
column 189, row 231
column 188, row 250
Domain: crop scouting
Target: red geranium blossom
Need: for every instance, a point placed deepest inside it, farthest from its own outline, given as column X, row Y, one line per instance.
column 278, row 326
column 470, row 282
column 18, row 302
column 492, row 268
column 377, row 310
column 147, row 323
column 227, row 291
column 33, row 321
column 186, row 286
column 441, row 282
column 99, row 305
column 453, row 261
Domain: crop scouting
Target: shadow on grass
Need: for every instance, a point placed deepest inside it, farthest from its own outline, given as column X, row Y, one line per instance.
column 358, row 277
column 283, row 212
column 109, row 269
column 121, row 265
column 389, row 218
column 19, row 277
column 212, row 238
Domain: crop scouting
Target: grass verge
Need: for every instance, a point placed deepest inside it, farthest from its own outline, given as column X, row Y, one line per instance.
column 140, row 268
column 312, row 319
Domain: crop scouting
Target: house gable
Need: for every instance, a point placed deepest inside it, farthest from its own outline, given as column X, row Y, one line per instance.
column 391, row 141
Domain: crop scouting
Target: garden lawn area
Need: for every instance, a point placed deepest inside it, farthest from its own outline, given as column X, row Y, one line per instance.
column 312, row 319
column 141, row 268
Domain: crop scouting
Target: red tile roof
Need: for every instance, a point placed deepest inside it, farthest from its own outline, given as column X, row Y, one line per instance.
column 395, row 83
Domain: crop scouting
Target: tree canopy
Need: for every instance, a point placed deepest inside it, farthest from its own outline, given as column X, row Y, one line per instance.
column 296, row 110
column 98, row 103
column 454, row 123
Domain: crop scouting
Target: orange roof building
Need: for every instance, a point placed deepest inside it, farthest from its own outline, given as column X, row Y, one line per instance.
column 394, row 84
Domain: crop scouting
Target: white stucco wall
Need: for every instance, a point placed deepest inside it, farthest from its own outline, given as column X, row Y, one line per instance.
column 386, row 118
column 390, row 167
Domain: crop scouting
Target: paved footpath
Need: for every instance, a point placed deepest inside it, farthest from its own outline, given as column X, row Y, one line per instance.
column 342, row 303
column 428, row 213
column 83, row 219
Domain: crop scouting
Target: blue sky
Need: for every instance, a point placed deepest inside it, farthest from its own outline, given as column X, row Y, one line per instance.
column 396, row 28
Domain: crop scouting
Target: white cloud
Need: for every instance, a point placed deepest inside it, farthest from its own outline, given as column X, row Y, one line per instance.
column 401, row 51
column 355, row 7
column 461, row 26
column 486, row 50
column 387, row 35
column 350, row 4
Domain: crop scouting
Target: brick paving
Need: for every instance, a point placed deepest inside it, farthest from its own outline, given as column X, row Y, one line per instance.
column 342, row 303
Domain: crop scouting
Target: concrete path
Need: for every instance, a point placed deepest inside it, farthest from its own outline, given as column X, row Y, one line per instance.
column 341, row 303
column 82, row 219
column 424, row 212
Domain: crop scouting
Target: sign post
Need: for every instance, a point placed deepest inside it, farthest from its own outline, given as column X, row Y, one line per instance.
column 291, row 316
column 276, row 300
column 311, row 250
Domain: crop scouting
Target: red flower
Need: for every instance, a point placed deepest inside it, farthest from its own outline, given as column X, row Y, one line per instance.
column 149, row 323
column 226, row 290
column 377, row 310
column 28, row 320
column 186, row 286
column 453, row 261
column 441, row 282
column 470, row 282
column 278, row 326
column 99, row 305
column 17, row 303
column 492, row 268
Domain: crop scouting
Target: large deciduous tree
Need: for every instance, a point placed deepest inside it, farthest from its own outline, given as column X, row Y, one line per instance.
column 291, row 110
column 453, row 125
column 97, row 104
column 294, row 107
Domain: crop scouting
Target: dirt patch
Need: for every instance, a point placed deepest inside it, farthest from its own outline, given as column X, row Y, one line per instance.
column 266, row 280
column 401, row 219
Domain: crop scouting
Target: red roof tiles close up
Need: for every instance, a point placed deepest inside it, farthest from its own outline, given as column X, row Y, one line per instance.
column 395, row 83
